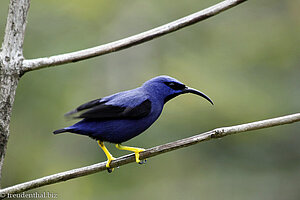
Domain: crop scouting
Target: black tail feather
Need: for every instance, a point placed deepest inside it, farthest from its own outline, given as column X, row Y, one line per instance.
column 60, row 131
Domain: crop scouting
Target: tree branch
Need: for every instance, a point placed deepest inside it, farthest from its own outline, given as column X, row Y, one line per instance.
column 39, row 63
column 154, row 151
column 11, row 57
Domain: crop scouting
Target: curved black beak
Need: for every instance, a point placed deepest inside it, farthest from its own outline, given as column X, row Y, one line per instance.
column 194, row 91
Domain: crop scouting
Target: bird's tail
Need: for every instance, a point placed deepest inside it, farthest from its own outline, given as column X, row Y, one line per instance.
column 60, row 131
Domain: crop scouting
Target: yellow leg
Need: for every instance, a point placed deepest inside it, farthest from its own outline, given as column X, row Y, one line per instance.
column 133, row 149
column 108, row 155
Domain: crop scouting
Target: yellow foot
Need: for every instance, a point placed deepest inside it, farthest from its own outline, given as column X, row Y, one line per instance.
column 108, row 155
column 135, row 150
column 109, row 169
column 137, row 156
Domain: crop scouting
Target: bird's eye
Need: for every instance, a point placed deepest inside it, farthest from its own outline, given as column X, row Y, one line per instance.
column 175, row 86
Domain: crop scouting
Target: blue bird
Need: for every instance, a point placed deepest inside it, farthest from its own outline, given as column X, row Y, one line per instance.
column 119, row 117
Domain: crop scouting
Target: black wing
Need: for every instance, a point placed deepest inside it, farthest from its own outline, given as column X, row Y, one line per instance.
column 100, row 111
column 85, row 106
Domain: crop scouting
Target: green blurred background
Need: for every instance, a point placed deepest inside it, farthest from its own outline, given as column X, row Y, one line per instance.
column 246, row 59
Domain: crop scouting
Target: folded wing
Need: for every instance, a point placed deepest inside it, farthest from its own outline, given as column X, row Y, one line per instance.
column 99, row 109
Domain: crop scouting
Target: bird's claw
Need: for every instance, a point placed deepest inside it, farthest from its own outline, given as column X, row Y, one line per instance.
column 110, row 170
column 137, row 156
column 142, row 162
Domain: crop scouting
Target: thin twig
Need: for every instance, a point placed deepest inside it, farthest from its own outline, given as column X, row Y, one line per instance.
column 83, row 171
column 39, row 63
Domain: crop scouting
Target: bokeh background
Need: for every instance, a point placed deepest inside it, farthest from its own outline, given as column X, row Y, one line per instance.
column 246, row 59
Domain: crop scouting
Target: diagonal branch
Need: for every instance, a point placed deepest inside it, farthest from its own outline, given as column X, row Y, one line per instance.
column 39, row 63
column 154, row 151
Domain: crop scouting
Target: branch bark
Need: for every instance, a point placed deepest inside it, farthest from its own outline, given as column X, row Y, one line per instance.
column 39, row 63
column 11, row 58
column 83, row 171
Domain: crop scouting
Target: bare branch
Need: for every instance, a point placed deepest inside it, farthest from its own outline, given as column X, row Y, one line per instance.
column 39, row 63
column 83, row 171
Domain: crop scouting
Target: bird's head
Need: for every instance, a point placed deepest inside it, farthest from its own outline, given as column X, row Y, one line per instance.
column 166, row 88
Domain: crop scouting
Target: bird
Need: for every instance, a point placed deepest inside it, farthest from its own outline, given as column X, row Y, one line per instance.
column 122, row 116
